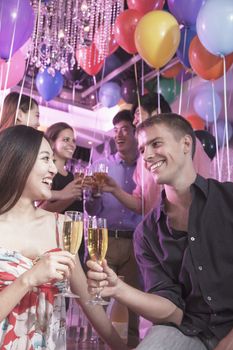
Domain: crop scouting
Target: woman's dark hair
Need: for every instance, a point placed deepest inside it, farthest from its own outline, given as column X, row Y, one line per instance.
column 175, row 122
column 149, row 102
column 11, row 102
column 54, row 130
column 19, row 147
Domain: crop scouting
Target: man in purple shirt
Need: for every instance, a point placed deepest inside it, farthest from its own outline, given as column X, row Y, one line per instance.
column 121, row 221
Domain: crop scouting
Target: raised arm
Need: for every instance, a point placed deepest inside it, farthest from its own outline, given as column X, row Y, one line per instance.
column 96, row 314
column 151, row 306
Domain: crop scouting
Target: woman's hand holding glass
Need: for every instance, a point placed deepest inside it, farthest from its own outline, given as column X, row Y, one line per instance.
column 72, row 238
column 49, row 267
column 97, row 243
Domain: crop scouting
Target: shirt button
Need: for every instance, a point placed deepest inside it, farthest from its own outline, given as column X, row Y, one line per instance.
column 193, row 239
column 209, row 298
column 200, row 268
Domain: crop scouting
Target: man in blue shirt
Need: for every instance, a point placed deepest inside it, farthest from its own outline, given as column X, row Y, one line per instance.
column 121, row 221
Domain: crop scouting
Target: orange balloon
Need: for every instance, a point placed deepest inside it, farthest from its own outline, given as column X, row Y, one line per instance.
column 157, row 37
column 173, row 71
column 204, row 63
column 196, row 122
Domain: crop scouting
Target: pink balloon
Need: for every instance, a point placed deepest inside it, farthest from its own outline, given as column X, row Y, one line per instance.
column 16, row 66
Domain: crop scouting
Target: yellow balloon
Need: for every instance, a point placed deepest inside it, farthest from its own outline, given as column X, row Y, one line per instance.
column 157, row 37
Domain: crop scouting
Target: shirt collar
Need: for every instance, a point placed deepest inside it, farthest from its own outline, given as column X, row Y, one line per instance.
column 200, row 182
column 119, row 160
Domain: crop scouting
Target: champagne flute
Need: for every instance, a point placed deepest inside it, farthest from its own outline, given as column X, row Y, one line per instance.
column 100, row 173
column 72, row 238
column 97, row 243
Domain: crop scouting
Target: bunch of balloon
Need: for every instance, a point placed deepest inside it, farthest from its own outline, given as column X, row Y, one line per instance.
column 157, row 37
column 109, row 94
column 125, row 26
column 48, row 85
column 205, row 64
column 89, row 59
column 145, row 6
column 196, row 121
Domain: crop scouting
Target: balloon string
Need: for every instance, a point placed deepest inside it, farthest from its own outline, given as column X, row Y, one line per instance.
column 181, row 92
column 158, row 91
column 190, row 82
column 226, row 117
column 216, row 131
column 21, row 92
column 137, row 88
column 140, row 116
column 142, row 79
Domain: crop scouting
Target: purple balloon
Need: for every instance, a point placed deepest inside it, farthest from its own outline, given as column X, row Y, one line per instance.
column 16, row 25
column 49, row 86
column 185, row 11
column 221, row 132
column 203, row 105
column 129, row 91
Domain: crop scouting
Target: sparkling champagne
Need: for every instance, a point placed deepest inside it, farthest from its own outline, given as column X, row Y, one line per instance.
column 72, row 236
column 97, row 243
column 100, row 177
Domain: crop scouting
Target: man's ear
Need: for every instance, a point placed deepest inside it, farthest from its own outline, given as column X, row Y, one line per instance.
column 188, row 144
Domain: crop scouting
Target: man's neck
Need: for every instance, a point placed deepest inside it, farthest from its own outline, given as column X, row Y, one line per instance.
column 128, row 158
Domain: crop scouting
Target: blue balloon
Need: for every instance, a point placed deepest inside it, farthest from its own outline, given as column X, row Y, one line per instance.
column 215, row 26
column 183, row 49
column 203, row 105
column 109, row 94
column 49, row 86
column 16, row 25
column 221, row 132
column 185, row 11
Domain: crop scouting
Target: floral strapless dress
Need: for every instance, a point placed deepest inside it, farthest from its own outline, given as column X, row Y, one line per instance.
column 38, row 321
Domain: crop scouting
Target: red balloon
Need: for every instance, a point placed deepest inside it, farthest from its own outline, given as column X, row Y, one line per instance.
column 100, row 37
column 16, row 65
column 204, row 63
column 145, row 6
column 125, row 26
column 89, row 59
column 196, row 122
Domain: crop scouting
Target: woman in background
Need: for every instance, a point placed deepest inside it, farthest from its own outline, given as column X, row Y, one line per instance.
column 32, row 316
column 19, row 109
column 66, row 192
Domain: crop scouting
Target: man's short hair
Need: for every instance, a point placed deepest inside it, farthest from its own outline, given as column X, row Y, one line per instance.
column 123, row 115
column 175, row 122
column 149, row 102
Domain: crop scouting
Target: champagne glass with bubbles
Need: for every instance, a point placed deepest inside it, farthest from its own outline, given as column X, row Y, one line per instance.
column 97, row 243
column 72, row 238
